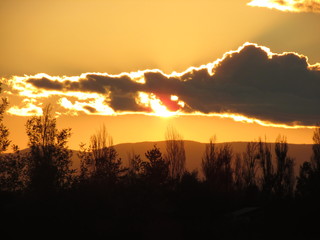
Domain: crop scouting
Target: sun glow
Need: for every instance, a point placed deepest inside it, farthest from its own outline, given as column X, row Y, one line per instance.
column 155, row 104
column 274, row 4
column 288, row 5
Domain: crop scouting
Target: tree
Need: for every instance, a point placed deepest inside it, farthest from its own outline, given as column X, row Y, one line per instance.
column 12, row 171
column 12, row 166
column 266, row 165
column 100, row 162
column 225, row 156
column 136, row 170
column 136, row 165
column 289, row 178
column 156, row 168
column 209, row 161
column 175, row 155
column 284, row 180
column 49, row 159
column 9, row 165
column 250, row 164
column 238, row 172
column 4, row 132
column 308, row 181
column 315, row 159
column 216, row 166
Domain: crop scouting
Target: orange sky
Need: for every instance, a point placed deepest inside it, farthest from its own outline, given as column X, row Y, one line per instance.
column 136, row 128
column 69, row 38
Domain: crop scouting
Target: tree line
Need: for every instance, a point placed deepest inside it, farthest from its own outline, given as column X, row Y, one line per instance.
column 47, row 166
column 154, row 196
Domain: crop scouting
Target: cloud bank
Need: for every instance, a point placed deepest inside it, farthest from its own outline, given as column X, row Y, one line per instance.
column 249, row 83
column 288, row 5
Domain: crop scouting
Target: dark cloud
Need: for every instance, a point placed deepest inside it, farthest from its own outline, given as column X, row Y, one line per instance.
column 103, row 84
column 281, row 88
column 125, row 103
column 46, row 83
column 90, row 109
column 92, row 83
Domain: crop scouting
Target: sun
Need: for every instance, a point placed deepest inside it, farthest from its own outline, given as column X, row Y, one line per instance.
column 160, row 110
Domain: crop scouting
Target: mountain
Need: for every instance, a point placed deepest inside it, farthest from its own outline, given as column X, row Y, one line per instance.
column 194, row 152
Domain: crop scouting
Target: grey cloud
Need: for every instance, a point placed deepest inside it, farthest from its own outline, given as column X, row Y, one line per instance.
column 102, row 84
column 92, row 83
column 90, row 109
column 46, row 83
column 126, row 103
column 282, row 88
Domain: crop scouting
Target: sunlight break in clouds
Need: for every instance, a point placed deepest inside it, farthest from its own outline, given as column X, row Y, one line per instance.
column 289, row 5
column 251, row 85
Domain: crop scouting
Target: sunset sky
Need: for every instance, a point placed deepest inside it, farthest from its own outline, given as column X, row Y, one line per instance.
column 237, row 69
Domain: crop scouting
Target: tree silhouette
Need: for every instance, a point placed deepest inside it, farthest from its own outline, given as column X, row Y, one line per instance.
column 100, row 162
column 209, row 161
column 13, row 176
column 238, row 172
column 175, row 155
column 156, row 168
column 137, row 168
column 284, row 181
column 10, row 164
column 216, row 166
column 308, row 181
column 4, row 143
column 250, row 164
column 49, row 159
column 307, row 185
column 4, row 132
column 315, row 160
column 267, row 168
column 225, row 156
column 136, row 165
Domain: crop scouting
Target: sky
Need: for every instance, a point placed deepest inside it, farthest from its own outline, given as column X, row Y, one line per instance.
column 237, row 69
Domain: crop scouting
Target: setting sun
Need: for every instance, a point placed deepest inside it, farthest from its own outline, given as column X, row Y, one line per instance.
column 155, row 119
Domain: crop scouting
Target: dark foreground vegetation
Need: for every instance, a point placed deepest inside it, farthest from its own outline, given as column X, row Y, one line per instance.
column 250, row 196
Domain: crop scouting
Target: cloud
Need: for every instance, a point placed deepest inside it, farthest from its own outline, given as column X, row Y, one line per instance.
column 288, row 5
column 249, row 83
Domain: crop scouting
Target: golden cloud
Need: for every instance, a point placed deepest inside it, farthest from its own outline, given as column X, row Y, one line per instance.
column 250, row 84
column 288, row 5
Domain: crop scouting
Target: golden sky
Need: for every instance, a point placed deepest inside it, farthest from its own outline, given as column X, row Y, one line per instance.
column 239, row 51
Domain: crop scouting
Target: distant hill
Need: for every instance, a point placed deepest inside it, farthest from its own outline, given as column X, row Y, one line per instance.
column 194, row 152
